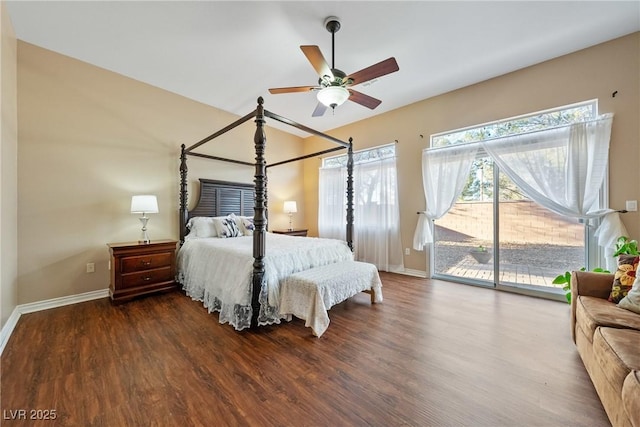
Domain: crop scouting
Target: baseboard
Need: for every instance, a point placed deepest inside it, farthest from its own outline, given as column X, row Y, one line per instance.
column 8, row 327
column 415, row 273
column 62, row 301
column 410, row 272
column 32, row 307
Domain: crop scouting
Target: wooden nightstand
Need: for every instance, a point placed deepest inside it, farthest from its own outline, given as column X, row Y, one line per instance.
column 302, row 233
column 141, row 269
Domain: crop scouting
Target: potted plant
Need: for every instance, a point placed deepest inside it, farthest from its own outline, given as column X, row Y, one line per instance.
column 624, row 245
column 481, row 254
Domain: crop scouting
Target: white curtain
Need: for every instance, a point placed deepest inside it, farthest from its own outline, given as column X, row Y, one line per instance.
column 332, row 203
column 611, row 228
column 561, row 169
column 376, row 211
column 444, row 174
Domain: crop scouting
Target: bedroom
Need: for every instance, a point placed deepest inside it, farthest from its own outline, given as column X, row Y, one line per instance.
column 98, row 136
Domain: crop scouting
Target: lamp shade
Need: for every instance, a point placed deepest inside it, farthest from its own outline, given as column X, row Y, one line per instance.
column 333, row 96
column 144, row 204
column 290, row 206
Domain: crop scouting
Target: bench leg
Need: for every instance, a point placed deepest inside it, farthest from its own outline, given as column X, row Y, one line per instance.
column 372, row 293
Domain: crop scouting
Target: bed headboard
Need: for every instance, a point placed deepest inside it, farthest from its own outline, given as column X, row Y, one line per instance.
column 220, row 198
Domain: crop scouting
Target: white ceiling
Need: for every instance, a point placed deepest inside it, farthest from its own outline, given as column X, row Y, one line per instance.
column 226, row 54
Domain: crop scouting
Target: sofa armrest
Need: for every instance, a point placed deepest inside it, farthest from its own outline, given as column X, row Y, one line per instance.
column 591, row 284
column 588, row 283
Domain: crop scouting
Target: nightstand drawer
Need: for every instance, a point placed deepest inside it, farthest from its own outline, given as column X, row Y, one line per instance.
column 147, row 277
column 139, row 269
column 146, row 262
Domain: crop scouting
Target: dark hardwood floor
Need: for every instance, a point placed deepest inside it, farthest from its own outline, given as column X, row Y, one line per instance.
column 433, row 354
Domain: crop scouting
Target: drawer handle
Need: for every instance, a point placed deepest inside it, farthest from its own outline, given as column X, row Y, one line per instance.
column 146, row 278
column 145, row 263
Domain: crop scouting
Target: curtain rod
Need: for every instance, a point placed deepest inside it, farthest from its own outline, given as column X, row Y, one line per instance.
column 619, row 211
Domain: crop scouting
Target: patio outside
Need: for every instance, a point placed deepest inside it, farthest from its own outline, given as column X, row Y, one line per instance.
column 536, row 245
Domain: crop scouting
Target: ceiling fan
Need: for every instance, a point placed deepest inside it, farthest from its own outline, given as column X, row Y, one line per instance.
column 334, row 85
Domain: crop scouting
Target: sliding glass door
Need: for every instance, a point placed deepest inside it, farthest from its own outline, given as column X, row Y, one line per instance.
column 535, row 244
column 494, row 235
column 464, row 237
column 501, row 234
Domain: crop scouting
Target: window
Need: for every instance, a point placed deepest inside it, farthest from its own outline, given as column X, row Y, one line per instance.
column 518, row 125
column 376, row 211
column 528, row 245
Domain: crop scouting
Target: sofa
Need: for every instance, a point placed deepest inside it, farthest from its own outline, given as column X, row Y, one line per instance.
column 608, row 340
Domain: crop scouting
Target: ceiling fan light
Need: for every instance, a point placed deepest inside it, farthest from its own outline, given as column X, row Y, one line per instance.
column 333, row 96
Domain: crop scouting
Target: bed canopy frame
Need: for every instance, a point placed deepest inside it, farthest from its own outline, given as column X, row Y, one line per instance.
column 260, row 187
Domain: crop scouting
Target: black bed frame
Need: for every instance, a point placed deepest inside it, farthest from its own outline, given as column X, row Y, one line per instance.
column 212, row 200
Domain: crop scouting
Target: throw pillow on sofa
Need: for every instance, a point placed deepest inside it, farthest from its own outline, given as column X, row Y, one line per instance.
column 624, row 277
column 632, row 300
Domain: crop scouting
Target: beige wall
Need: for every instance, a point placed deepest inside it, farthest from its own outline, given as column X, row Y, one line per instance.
column 89, row 139
column 595, row 72
column 8, row 169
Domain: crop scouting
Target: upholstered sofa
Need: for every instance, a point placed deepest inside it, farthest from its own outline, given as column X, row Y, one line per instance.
column 608, row 341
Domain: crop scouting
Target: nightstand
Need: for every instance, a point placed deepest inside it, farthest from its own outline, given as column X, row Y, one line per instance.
column 141, row 269
column 302, row 233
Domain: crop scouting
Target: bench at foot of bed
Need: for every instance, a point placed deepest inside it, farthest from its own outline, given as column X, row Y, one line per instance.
column 310, row 293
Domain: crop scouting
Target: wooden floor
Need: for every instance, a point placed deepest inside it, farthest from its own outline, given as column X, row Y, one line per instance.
column 433, row 354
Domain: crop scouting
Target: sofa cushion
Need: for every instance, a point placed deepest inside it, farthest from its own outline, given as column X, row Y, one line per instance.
column 624, row 277
column 631, row 397
column 632, row 300
column 616, row 351
column 592, row 312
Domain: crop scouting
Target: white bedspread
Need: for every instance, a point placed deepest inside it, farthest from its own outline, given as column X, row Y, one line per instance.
column 219, row 271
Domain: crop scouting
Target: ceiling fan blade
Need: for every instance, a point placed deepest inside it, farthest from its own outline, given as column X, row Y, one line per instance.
column 292, row 89
column 316, row 59
column 380, row 69
column 362, row 99
column 320, row 110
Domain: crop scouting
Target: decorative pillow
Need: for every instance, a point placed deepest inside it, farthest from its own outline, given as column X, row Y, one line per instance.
column 632, row 300
column 624, row 277
column 247, row 225
column 201, row 226
column 227, row 227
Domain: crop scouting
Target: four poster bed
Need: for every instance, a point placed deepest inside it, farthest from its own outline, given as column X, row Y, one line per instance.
column 238, row 277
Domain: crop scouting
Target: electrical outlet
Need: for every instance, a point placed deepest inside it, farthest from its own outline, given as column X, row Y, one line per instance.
column 407, row 251
column 91, row 267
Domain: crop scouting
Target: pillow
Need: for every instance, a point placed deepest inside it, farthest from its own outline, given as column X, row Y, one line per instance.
column 246, row 225
column 624, row 277
column 227, row 226
column 632, row 300
column 201, row 226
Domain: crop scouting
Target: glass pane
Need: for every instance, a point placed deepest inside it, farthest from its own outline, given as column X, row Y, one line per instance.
column 536, row 244
column 464, row 236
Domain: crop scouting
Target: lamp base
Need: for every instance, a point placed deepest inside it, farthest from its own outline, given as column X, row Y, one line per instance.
column 144, row 237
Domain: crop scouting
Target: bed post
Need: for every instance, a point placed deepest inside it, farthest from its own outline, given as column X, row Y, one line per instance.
column 266, row 200
column 350, row 194
column 184, row 213
column 259, row 218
